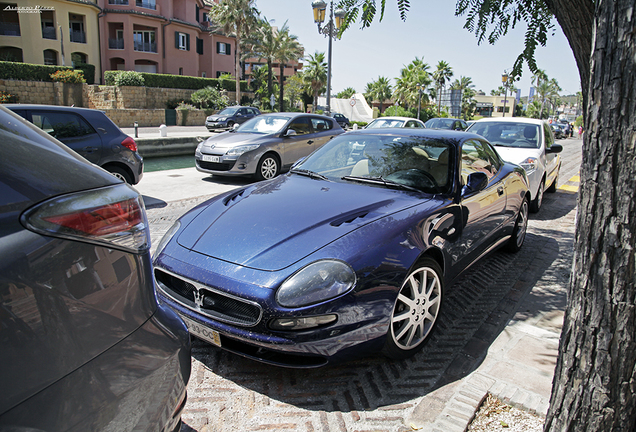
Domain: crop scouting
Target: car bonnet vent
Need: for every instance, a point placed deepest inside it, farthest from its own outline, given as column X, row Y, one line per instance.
column 233, row 198
column 349, row 218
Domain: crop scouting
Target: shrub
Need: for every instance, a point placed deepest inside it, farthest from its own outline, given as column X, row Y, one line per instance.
column 129, row 78
column 6, row 97
column 178, row 81
column 186, row 106
column 209, row 97
column 89, row 71
column 28, row 72
column 68, row 76
column 397, row 111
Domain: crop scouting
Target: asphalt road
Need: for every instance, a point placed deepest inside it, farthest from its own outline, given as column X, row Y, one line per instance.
column 229, row 393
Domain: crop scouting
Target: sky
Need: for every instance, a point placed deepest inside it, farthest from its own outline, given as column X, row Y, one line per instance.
column 431, row 32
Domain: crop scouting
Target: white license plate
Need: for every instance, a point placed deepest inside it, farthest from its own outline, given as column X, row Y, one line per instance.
column 208, row 158
column 202, row 332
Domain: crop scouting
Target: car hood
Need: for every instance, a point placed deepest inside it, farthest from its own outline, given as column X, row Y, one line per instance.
column 272, row 225
column 233, row 139
column 516, row 155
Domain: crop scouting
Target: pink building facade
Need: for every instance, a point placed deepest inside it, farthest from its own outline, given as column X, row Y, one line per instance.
column 163, row 36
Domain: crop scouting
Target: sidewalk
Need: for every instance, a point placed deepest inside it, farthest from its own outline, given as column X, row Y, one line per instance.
column 172, row 131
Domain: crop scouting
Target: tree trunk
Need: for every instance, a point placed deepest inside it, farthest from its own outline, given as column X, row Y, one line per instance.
column 594, row 385
column 237, row 69
column 280, row 90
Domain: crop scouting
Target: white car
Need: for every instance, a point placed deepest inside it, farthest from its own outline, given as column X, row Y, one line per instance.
column 399, row 122
column 527, row 142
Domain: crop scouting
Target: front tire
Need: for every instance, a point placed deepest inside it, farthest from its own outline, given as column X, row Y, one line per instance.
column 416, row 310
column 120, row 173
column 535, row 205
column 267, row 168
column 519, row 231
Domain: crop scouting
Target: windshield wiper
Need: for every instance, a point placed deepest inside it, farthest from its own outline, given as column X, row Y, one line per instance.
column 308, row 173
column 381, row 180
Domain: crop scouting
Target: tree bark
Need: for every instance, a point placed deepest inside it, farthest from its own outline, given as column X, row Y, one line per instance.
column 594, row 386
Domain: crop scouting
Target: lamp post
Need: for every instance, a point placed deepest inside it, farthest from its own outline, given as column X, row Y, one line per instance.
column 330, row 30
column 504, row 80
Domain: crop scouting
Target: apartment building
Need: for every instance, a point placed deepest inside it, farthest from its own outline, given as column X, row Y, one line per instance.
column 163, row 36
column 50, row 32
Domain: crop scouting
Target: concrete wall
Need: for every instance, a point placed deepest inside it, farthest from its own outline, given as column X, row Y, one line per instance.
column 171, row 146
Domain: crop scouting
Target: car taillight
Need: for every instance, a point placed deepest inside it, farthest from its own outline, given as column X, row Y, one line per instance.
column 113, row 216
column 130, row 144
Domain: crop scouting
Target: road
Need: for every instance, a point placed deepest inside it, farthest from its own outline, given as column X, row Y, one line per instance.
column 228, row 393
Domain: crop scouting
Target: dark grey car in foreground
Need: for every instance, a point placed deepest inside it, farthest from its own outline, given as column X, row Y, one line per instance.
column 91, row 134
column 84, row 345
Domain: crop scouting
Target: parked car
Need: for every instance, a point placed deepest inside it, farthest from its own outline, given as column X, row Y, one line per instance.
column 341, row 119
column 446, row 123
column 349, row 253
column 228, row 117
column 558, row 130
column 84, row 344
column 91, row 134
column 265, row 145
column 529, row 143
column 395, row 122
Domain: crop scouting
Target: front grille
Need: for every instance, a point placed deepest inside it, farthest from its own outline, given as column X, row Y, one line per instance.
column 208, row 301
column 216, row 166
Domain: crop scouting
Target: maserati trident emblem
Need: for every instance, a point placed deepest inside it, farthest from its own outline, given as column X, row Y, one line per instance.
column 198, row 299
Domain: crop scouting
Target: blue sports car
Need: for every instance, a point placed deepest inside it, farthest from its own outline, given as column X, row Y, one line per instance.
column 349, row 253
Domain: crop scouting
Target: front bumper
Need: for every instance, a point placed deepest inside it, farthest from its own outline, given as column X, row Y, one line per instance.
column 244, row 164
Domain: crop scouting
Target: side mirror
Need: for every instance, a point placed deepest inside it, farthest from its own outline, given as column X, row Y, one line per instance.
column 476, row 182
column 290, row 132
column 555, row 148
column 235, row 126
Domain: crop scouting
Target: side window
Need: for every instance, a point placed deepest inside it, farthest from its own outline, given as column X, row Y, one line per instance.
column 320, row 124
column 549, row 136
column 493, row 156
column 411, row 124
column 61, row 125
column 301, row 125
column 475, row 158
column 242, row 112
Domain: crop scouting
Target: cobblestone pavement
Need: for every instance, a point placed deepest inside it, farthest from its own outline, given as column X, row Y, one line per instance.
column 228, row 393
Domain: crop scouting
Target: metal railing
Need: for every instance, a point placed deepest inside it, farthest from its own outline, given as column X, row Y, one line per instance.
column 77, row 36
column 9, row 29
column 146, row 4
column 115, row 43
column 49, row 33
column 118, row 2
column 146, row 46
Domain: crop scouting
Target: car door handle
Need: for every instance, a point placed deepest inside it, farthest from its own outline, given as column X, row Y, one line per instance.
column 500, row 190
column 310, row 142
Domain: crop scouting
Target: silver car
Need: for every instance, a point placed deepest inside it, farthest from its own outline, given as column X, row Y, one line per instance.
column 265, row 145
column 527, row 142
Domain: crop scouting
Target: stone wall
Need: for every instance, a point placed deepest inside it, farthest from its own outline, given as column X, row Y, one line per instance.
column 144, row 117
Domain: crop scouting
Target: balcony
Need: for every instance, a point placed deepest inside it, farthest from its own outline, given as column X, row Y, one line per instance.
column 116, row 44
column 148, row 4
column 146, row 47
column 9, row 28
column 48, row 33
column 77, row 36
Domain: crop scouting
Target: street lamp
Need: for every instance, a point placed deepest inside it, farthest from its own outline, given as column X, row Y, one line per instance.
column 504, row 80
column 330, row 30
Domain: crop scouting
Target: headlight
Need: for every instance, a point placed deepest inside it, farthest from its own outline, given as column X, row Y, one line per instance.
column 198, row 150
column 237, row 151
column 317, row 282
column 529, row 164
column 166, row 238
column 221, row 119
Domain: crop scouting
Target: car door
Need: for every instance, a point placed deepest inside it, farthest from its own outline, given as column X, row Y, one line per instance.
column 483, row 211
column 72, row 130
column 299, row 144
column 552, row 160
column 323, row 131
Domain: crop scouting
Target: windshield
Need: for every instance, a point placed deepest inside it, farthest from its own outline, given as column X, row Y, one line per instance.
column 416, row 162
column 509, row 134
column 383, row 123
column 228, row 112
column 264, row 124
column 439, row 123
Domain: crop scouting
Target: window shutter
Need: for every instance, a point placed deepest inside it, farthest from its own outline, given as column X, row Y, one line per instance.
column 187, row 41
column 176, row 40
column 199, row 46
column 197, row 10
column 218, row 47
column 228, row 49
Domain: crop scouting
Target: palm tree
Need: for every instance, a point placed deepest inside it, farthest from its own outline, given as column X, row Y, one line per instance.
column 265, row 49
column 237, row 18
column 465, row 86
column 441, row 74
column 315, row 75
column 382, row 90
column 413, row 78
column 287, row 49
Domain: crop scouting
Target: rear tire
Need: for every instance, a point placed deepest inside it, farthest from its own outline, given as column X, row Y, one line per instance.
column 120, row 173
column 416, row 310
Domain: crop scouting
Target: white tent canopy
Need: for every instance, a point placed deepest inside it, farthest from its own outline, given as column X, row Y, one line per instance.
column 358, row 111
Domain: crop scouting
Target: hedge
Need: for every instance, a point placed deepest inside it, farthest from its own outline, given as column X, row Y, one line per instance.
column 179, row 81
column 36, row 72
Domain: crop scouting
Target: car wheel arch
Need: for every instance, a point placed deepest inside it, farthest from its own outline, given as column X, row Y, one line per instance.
column 113, row 166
